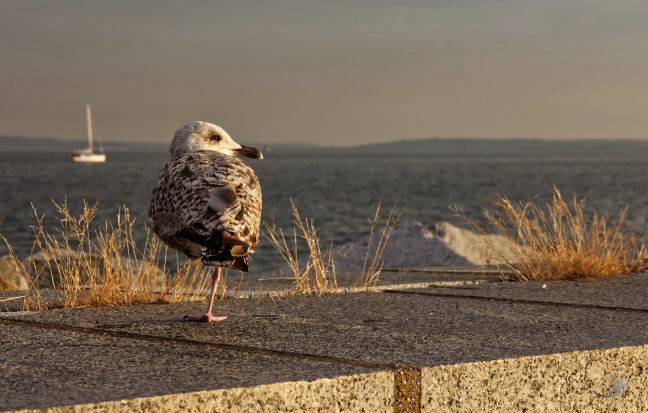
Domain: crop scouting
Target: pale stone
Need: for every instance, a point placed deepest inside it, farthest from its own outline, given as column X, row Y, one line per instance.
column 49, row 266
column 413, row 245
column 11, row 277
column 479, row 249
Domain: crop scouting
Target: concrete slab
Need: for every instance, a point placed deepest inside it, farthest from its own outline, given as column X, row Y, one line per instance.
column 620, row 291
column 55, row 367
column 14, row 300
column 464, row 269
column 493, row 346
column 260, row 283
column 361, row 393
column 415, row 330
column 569, row 382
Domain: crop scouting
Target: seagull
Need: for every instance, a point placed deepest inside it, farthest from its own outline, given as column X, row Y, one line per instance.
column 207, row 202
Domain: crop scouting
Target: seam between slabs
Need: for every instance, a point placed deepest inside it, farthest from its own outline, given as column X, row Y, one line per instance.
column 520, row 301
column 195, row 343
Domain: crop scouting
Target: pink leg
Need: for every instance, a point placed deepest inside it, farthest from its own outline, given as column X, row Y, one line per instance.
column 208, row 317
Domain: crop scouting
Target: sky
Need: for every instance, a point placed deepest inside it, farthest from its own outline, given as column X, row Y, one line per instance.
column 325, row 72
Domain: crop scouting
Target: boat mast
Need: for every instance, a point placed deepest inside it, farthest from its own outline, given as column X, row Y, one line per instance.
column 89, row 122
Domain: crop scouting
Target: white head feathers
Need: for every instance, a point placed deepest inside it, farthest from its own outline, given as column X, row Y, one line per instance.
column 205, row 136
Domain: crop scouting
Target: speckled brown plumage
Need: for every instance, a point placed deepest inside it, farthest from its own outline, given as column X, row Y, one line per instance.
column 208, row 206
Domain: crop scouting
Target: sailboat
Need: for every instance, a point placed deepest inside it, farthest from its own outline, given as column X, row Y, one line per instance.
column 88, row 155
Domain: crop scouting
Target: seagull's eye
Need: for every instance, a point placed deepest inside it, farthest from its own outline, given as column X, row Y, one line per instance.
column 215, row 138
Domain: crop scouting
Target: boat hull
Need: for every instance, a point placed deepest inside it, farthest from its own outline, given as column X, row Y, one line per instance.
column 90, row 158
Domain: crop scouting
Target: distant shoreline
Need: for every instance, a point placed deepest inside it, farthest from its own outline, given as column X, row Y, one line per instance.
column 431, row 146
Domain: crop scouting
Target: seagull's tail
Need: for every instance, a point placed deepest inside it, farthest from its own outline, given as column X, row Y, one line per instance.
column 235, row 263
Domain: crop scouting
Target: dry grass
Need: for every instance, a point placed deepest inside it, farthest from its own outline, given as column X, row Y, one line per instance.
column 561, row 241
column 317, row 274
column 103, row 267
column 373, row 262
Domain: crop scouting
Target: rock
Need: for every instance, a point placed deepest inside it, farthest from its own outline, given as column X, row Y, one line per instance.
column 479, row 249
column 411, row 245
column 11, row 277
column 138, row 267
column 49, row 266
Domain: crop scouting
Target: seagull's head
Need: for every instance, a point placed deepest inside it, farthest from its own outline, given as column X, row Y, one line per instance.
column 205, row 136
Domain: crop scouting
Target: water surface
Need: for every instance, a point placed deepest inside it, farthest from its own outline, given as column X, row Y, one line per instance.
column 338, row 193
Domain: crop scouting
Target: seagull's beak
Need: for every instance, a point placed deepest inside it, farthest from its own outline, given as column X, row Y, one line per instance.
column 248, row 151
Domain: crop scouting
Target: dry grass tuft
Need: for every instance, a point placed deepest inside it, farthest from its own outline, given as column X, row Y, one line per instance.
column 562, row 242
column 103, row 267
column 373, row 262
column 318, row 274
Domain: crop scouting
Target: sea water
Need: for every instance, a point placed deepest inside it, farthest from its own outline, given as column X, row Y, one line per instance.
column 338, row 193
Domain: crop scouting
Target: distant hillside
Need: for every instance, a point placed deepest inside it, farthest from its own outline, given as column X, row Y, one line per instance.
column 518, row 146
column 21, row 143
column 431, row 146
column 476, row 146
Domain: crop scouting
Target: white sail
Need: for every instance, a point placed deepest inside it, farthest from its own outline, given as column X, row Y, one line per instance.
column 88, row 155
column 89, row 123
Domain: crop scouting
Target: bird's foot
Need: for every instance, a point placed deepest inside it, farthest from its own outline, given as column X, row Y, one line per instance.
column 207, row 318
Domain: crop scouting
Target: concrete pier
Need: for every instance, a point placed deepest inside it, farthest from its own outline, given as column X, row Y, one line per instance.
column 439, row 342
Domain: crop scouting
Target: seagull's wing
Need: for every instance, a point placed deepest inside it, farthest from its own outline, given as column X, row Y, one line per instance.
column 210, row 202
